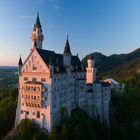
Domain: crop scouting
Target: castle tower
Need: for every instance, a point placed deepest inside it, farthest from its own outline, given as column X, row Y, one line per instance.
column 67, row 54
column 19, row 65
column 91, row 71
column 37, row 35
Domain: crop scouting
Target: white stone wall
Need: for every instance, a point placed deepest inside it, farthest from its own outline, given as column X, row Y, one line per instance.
column 60, row 90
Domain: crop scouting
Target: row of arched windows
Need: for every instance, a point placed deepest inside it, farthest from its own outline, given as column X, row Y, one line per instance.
column 31, row 97
column 28, row 88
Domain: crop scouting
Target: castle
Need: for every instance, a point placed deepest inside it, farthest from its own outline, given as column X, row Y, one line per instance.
column 49, row 81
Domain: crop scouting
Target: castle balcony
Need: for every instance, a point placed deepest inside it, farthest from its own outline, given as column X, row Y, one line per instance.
column 33, row 93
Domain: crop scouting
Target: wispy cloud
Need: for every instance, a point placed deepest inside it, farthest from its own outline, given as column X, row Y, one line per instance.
column 26, row 17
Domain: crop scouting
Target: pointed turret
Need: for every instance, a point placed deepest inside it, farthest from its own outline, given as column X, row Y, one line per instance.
column 67, row 47
column 20, row 61
column 37, row 35
column 38, row 21
column 67, row 54
column 19, row 65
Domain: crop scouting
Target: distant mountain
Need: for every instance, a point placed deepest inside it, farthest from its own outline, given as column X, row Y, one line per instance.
column 119, row 66
column 8, row 76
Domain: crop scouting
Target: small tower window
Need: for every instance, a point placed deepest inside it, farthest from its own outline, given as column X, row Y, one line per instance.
column 25, row 78
column 34, row 67
column 38, row 114
column 46, row 89
column 34, row 79
column 43, row 79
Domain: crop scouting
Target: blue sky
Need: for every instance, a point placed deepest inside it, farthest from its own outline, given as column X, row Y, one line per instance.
column 106, row 26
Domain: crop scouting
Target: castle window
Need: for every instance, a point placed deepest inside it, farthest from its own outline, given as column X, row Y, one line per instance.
column 25, row 78
column 25, row 96
column 34, row 97
column 21, row 111
column 28, row 97
column 46, row 90
column 34, row 67
column 38, row 114
column 27, row 112
column 45, row 98
column 43, row 79
column 58, row 79
column 34, row 79
column 54, row 79
column 38, row 97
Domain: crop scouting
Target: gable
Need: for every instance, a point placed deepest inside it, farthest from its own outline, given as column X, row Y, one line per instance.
column 34, row 63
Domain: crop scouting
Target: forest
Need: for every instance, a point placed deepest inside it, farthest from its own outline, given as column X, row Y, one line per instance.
column 124, row 117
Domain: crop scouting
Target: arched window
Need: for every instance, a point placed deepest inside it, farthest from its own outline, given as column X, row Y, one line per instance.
column 28, row 97
column 34, row 97
column 38, row 97
column 38, row 89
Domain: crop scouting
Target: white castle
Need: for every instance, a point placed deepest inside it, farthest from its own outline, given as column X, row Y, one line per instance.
column 49, row 81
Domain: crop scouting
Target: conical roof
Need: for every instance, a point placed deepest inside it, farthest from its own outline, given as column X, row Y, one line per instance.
column 38, row 21
column 67, row 47
column 20, row 61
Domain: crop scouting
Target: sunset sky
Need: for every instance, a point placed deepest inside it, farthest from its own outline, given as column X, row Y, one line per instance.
column 106, row 26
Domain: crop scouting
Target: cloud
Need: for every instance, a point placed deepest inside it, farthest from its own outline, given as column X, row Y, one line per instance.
column 26, row 17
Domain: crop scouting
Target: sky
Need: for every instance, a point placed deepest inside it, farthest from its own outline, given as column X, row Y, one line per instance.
column 106, row 26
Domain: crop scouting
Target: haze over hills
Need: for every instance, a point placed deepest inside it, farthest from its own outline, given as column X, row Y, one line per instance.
column 119, row 66
column 8, row 76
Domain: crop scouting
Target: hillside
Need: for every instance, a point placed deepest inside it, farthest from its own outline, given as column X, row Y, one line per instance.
column 119, row 66
column 124, row 72
column 8, row 76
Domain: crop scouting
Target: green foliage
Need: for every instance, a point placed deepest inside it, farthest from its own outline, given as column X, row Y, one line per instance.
column 54, row 133
column 79, row 127
column 126, row 109
column 8, row 102
column 26, row 131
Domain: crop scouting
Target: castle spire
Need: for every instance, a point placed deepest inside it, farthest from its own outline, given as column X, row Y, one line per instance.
column 37, row 35
column 20, row 61
column 38, row 20
column 67, row 47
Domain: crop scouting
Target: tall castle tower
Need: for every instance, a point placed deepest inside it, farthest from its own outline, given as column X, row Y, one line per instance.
column 37, row 35
column 91, row 71
column 67, row 54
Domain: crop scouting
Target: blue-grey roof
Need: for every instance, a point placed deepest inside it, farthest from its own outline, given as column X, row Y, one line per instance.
column 67, row 48
column 57, row 59
column 20, row 61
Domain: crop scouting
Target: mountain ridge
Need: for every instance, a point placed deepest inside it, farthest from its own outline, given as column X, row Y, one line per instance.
column 107, row 66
